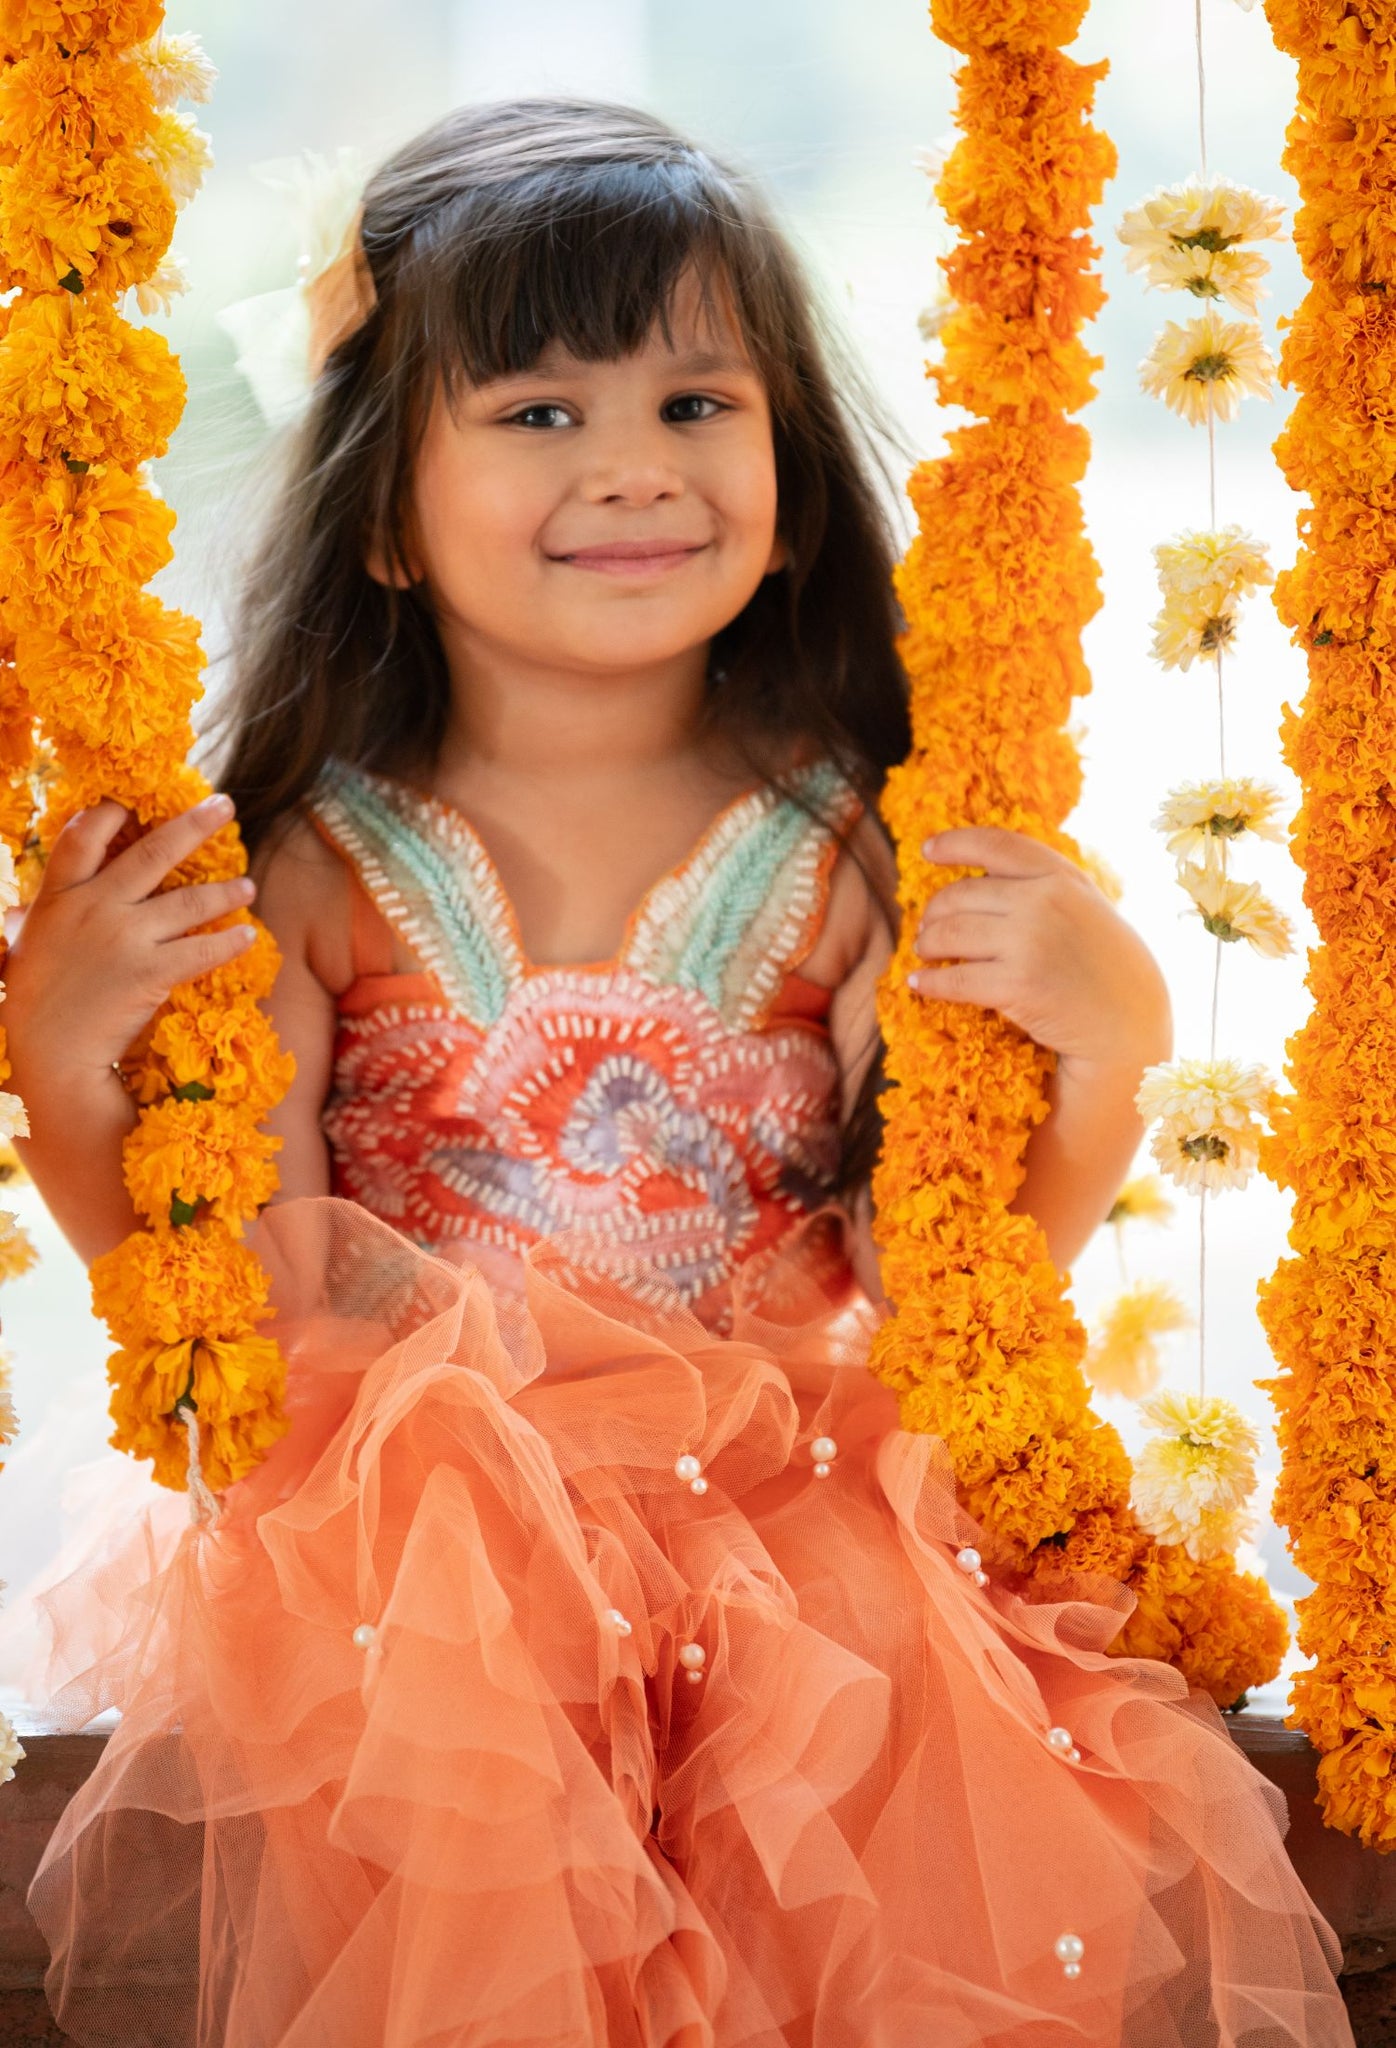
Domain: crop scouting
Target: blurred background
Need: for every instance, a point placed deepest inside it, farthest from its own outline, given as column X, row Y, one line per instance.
column 829, row 104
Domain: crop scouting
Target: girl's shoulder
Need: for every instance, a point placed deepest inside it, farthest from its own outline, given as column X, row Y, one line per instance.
column 855, row 931
column 303, row 895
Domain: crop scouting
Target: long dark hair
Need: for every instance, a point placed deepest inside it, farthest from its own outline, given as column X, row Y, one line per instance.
column 501, row 229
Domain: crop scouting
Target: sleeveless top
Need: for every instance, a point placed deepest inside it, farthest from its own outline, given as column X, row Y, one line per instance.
column 680, row 1099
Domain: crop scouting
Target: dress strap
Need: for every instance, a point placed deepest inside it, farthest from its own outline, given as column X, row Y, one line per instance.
column 432, row 888
column 737, row 918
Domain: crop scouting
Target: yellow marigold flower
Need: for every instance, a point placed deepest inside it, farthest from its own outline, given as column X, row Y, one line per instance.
column 1194, row 1477
column 184, row 1155
column 160, row 1286
column 49, row 105
column 174, row 67
column 1141, row 1199
column 17, row 1249
column 12, row 1169
column 1232, row 275
column 237, row 1389
column 1208, row 1113
column 70, row 544
column 181, row 152
column 1186, row 631
column 55, row 222
column 80, row 385
column 232, row 1051
column 1196, row 218
column 1204, row 817
column 1237, row 910
column 1212, row 566
column 1124, row 1354
column 1204, row 368
column 9, row 1421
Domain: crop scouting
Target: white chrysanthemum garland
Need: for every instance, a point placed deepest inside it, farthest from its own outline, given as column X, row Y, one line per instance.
column 1196, row 1475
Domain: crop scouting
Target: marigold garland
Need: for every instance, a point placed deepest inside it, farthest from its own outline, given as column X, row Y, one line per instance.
column 1328, row 1308
column 94, row 163
column 982, row 1345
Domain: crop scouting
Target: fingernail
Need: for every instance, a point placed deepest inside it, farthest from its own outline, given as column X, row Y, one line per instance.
column 928, row 846
column 216, row 806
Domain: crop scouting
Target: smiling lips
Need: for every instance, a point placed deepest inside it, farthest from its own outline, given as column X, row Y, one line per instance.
column 632, row 557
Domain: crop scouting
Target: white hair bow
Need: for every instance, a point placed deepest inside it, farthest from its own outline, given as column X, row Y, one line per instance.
column 276, row 332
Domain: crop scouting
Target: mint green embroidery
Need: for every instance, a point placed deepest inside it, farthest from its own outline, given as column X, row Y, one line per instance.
column 727, row 926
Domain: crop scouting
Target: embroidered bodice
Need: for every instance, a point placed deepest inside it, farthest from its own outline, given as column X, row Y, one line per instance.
column 681, row 1098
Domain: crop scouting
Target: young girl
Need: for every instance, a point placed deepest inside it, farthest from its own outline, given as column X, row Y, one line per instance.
column 591, row 1662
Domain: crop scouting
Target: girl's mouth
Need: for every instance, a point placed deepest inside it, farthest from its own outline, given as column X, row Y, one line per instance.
column 632, row 559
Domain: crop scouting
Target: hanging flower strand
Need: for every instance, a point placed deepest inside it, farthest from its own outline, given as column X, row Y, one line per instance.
column 982, row 1346
column 1193, row 238
column 95, row 160
column 1327, row 1307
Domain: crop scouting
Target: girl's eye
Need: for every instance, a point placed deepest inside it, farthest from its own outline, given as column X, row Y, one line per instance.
column 521, row 419
column 697, row 398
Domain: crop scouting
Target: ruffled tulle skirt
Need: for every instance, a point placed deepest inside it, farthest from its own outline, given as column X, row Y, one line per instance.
column 412, row 1752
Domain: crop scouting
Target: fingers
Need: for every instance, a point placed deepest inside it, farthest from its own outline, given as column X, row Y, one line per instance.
column 138, row 871
column 963, row 935
column 184, row 959
column 174, row 912
column 81, row 847
column 995, row 849
column 961, row 981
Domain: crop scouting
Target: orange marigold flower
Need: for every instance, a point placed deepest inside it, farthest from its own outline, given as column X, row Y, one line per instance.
column 237, row 1388
column 127, row 677
column 79, row 385
column 95, row 227
column 160, row 1286
column 70, row 544
column 184, row 1157
column 28, row 24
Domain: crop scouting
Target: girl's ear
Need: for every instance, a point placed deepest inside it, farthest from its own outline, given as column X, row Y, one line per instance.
column 376, row 562
column 779, row 557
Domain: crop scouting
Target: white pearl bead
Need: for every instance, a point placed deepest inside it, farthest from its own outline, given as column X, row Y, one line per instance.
column 822, row 1471
column 687, row 1467
column 1069, row 1948
column 968, row 1559
column 698, row 1486
column 1071, row 1969
column 694, row 1677
column 1073, row 1756
column 364, row 1636
column 823, row 1450
column 617, row 1620
column 981, row 1578
column 1059, row 1739
column 693, row 1656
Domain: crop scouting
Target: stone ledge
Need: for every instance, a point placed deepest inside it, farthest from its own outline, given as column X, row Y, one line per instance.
column 1354, row 1888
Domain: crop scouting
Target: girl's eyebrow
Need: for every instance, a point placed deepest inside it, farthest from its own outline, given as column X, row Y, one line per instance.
column 696, row 363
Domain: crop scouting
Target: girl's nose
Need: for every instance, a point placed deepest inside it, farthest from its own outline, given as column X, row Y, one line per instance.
column 633, row 468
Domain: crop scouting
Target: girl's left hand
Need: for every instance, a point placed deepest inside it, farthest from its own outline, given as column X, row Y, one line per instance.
column 1034, row 938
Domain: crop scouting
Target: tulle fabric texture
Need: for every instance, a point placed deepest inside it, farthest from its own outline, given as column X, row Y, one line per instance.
column 510, row 1820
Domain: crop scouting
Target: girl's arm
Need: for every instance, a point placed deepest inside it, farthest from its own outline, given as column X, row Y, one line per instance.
column 300, row 897
column 95, row 955
column 1034, row 938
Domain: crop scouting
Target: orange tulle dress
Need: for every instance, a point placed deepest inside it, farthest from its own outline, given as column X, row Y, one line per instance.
column 552, row 1683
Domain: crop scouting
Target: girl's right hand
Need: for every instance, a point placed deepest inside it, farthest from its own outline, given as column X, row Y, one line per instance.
column 100, row 948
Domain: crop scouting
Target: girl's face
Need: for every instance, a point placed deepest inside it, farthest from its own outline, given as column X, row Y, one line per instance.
column 601, row 516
